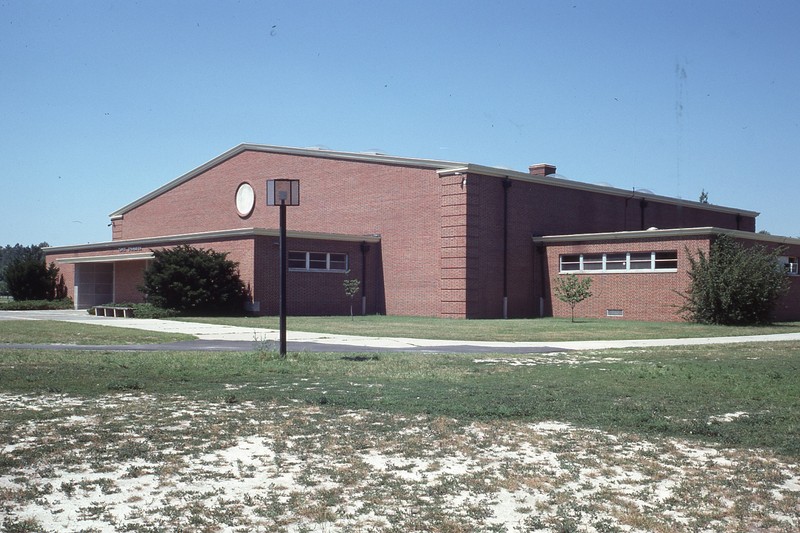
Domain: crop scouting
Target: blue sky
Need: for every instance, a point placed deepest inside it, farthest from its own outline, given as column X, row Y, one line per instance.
column 102, row 102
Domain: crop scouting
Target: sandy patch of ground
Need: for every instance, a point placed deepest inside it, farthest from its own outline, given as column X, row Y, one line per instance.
column 146, row 463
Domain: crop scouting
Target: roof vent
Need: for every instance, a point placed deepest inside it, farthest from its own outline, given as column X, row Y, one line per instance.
column 541, row 169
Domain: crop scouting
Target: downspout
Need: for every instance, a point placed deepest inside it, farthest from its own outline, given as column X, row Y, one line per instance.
column 642, row 206
column 506, row 186
column 543, row 281
column 364, row 250
column 625, row 210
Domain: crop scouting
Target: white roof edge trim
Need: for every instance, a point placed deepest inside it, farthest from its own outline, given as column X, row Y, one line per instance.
column 211, row 235
column 371, row 157
column 524, row 176
column 306, row 152
column 666, row 233
column 106, row 258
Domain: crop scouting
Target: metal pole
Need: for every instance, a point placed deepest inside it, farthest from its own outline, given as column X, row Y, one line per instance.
column 283, row 253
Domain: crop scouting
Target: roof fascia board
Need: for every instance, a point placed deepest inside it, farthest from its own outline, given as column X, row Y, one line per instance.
column 665, row 234
column 581, row 186
column 368, row 157
column 212, row 235
column 304, row 152
column 106, row 258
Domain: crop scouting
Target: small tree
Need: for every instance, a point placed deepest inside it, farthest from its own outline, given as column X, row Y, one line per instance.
column 351, row 287
column 194, row 280
column 572, row 290
column 30, row 278
column 733, row 284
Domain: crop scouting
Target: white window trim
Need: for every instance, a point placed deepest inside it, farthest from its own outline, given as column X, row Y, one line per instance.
column 790, row 264
column 605, row 270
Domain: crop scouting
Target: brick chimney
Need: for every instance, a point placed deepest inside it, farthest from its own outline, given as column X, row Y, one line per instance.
column 542, row 169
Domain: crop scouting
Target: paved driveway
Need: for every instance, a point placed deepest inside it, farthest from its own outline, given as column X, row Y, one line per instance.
column 236, row 338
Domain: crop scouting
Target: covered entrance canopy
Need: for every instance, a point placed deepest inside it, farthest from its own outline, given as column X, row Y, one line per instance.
column 102, row 279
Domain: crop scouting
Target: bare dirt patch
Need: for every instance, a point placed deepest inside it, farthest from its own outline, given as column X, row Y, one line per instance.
column 135, row 462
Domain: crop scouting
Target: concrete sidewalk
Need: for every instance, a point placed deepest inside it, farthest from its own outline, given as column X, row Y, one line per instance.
column 232, row 336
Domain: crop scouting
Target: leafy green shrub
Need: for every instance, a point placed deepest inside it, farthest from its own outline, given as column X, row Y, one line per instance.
column 37, row 305
column 734, row 284
column 192, row 280
column 151, row 311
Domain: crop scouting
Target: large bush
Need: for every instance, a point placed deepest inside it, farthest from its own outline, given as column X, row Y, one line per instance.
column 30, row 278
column 734, row 284
column 10, row 254
column 195, row 281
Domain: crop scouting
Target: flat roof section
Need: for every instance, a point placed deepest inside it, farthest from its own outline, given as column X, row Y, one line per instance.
column 210, row 235
column 665, row 234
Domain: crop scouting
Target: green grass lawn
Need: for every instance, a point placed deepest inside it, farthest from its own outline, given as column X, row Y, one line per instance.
column 58, row 332
column 540, row 329
column 682, row 392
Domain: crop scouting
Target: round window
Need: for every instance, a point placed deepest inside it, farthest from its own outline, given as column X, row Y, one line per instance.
column 245, row 199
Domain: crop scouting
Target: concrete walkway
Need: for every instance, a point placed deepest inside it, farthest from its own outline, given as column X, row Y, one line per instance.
column 221, row 337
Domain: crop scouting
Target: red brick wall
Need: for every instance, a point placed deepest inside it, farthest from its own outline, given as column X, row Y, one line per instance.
column 128, row 276
column 441, row 251
column 307, row 292
column 68, row 272
column 316, row 293
column 453, row 242
column 539, row 209
column 788, row 306
column 652, row 296
column 399, row 203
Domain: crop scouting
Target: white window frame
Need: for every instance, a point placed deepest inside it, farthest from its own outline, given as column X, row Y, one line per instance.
column 337, row 258
column 601, row 263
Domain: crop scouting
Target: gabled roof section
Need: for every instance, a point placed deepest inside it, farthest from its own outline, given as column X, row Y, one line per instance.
column 443, row 168
column 367, row 157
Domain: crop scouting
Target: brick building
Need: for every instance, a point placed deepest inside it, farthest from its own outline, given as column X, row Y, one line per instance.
column 425, row 237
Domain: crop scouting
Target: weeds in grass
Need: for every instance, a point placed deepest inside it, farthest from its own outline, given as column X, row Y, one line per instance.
column 11, row 525
column 267, row 349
